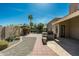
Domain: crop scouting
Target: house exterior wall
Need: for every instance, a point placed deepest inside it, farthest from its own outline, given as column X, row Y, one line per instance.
column 58, row 30
column 49, row 26
column 11, row 31
column 71, row 28
column 67, row 28
column 55, row 29
column 8, row 31
column 74, row 28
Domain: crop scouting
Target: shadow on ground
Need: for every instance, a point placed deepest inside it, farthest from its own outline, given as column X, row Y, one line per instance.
column 70, row 45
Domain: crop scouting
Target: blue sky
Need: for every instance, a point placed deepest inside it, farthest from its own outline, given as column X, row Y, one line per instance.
column 17, row 13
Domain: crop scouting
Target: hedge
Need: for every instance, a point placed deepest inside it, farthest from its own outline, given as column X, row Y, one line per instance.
column 3, row 44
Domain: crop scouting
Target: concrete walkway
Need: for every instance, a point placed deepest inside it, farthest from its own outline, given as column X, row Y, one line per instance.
column 57, row 48
column 30, row 45
column 24, row 48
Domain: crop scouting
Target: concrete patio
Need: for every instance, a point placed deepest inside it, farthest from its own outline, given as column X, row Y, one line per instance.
column 65, row 46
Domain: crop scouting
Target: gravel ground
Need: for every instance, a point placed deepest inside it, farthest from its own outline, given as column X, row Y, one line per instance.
column 23, row 49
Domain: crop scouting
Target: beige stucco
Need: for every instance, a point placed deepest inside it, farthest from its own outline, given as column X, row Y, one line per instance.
column 54, row 29
column 49, row 26
column 74, row 28
column 75, row 14
column 67, row 27
column 71, row 23
column 71, row 28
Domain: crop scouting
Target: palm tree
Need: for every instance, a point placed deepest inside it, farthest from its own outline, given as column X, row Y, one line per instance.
column 30, row 17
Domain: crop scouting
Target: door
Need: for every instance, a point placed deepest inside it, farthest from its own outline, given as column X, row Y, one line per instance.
column 62, row 30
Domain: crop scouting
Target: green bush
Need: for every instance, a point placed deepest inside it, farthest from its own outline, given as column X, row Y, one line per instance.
column 17, row 38
column 10, row 39
column 3, row 44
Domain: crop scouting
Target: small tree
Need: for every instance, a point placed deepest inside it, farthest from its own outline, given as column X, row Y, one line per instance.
column 40, row 27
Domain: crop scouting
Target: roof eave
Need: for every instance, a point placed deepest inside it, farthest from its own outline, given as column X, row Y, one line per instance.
column 68, row 17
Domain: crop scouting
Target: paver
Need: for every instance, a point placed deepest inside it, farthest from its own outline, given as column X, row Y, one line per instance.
column 42, row 50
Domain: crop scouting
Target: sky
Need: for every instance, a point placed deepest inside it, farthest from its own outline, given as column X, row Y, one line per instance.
column 17, row 13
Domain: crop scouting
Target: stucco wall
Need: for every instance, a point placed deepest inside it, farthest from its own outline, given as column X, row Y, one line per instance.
column 71, row 28
column 67, row 28
column 9, row 31
column 53, row 28
column 74, row 28
column 49, row 26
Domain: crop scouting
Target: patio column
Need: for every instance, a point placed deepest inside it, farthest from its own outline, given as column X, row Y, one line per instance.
column 58, row 30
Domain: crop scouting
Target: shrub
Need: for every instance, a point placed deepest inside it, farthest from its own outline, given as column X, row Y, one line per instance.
column 17, row 38
column 10, row 39
column 3, row 44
